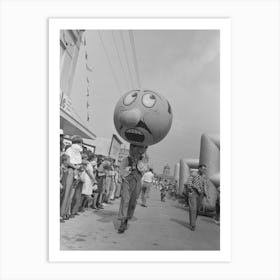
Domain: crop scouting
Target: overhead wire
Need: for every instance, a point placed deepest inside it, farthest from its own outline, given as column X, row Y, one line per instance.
column 126, row 58
column 132, row 43
column 109, row 61
column 119, row 57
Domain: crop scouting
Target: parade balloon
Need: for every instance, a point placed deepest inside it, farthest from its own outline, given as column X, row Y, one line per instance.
column 142, row 117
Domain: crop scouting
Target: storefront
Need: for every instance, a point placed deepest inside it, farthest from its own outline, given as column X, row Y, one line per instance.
column 72, row 126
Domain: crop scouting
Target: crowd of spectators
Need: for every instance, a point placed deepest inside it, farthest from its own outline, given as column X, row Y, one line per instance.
column 87, row 180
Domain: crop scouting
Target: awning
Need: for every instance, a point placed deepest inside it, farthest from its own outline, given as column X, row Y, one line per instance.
column 71, row 126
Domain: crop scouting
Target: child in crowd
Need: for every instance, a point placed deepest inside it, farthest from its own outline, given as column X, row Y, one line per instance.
column 88, row 179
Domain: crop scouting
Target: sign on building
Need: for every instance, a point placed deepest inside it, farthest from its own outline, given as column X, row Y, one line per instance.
column 66, row 104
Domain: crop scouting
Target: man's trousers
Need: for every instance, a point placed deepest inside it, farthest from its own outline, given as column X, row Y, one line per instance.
column 130, row 191
column 146, row 187
column 67, row 192
column 77, row 197
column 195, row 202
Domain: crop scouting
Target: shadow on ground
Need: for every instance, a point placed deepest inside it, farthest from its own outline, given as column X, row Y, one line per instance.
column 180, row 222
column 106, row 216
column 179, row 206
column 207, row 219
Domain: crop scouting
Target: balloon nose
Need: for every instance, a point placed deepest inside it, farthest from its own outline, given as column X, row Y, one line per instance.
column 130, row 118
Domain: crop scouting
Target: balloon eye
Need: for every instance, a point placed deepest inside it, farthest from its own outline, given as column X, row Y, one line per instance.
column 130, row 98
column 169, row 108
column 149, row 100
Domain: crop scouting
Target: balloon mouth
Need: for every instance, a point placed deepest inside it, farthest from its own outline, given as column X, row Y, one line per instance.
column 134, row 135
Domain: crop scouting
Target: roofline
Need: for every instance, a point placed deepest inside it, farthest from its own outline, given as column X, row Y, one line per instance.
column 86, row 130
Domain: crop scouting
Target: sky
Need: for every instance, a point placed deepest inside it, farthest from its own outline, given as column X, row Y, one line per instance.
column 182, row 65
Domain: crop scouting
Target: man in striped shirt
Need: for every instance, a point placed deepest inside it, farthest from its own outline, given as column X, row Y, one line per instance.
column 196, row 188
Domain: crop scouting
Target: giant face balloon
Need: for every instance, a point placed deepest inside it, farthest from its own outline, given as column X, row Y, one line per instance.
column 142, row 117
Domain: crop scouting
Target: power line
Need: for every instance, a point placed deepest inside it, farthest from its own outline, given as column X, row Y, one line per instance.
column 126, row 58
column 109, row 61
column 118, row 53
column 131, row 38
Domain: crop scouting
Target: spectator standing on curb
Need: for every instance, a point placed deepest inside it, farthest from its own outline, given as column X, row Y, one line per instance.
column 76, row 198
column 112, row 181
column 64, row 162
column 75, row 160
column 147, row 181
column 100, row 177
column 93, row 162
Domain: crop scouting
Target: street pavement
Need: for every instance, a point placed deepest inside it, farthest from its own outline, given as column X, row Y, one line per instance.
column 160, row 226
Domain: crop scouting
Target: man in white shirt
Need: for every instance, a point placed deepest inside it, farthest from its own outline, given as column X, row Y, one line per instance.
column 74, row 153
column 147, row 181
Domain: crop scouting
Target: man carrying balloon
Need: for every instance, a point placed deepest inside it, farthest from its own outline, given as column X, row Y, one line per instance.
column 142, row 118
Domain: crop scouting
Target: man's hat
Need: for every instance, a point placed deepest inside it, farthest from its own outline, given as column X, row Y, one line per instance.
column 76, row 139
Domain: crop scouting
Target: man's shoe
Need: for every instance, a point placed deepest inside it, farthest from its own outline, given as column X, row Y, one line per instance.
column 123, row 227
column 125, row 224
column 121, row 230
column 192, row 228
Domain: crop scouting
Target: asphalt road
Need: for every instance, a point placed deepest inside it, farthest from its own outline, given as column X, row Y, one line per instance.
column 160, row 226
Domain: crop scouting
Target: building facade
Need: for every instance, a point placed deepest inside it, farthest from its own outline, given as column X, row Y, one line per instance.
column 70, row 45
